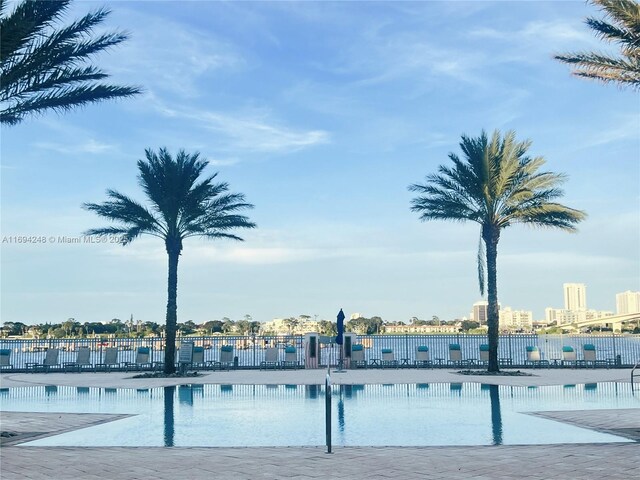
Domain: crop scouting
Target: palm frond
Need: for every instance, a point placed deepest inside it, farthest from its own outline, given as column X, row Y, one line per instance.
column 43, row 66
column 621, row 26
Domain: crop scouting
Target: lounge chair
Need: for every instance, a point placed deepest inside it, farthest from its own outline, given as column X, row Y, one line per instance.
column 455, row 354
column 110, row 360
column 226, row 358
column 83, row 359
column 270, row 358
column 569, row 355
column 590, row 356
column 198, row 357
column 50, row 361
column 290, row 358
column 388, row 358
column 142, row 361
column 534, row 358
column 423, row 358
column 5, row 358
column 484, row 354
column 357, row 356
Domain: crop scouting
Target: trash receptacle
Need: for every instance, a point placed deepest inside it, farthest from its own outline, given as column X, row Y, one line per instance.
column 618, row 360
column 235, row 362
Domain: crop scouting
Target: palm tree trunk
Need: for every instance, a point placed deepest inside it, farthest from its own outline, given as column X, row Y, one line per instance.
column 172, row 312
column 491, row 235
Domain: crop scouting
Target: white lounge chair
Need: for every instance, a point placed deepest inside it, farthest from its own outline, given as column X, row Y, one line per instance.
column 484, row 354
column 83, row 360
column 569, row 355
column 5, row 358
column 291, row 358
column 423, row 358
column 455, row 354
column 143, row 360
column 50, row 361
column 357, row 356
column 534, row 357
column 110, row 360
column 225, row 360
column 388, row 358
column 270, row 358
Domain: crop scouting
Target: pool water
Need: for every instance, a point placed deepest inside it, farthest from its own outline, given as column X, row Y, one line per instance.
column 293, row 415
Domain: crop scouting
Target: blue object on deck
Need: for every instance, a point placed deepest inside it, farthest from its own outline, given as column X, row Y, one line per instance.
column 340, row 336
column 387, row 350
column 484, row 347
column 357, row 347
column 589, row 346
column 423, row 348
column 290, row 349
column 226, row 348
column 567, row 348
column 532, row 349
column 454, row 346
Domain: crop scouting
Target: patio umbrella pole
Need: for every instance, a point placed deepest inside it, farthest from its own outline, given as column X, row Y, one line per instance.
column 327, row 409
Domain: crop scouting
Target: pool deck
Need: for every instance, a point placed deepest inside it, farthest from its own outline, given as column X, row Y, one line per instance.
column 564, row 461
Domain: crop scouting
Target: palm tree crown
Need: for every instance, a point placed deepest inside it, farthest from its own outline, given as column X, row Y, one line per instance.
column 43, row 66
column 181, row 206
column 622, row 29
column 495, row 185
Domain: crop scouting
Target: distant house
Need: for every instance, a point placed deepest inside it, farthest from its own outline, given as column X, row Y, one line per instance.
column 424, row 329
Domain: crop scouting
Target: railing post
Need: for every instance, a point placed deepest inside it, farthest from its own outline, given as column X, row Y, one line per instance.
column 327, row 409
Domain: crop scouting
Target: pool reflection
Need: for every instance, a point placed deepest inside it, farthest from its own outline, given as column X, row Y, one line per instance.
column 169, row 428
column 496, row 414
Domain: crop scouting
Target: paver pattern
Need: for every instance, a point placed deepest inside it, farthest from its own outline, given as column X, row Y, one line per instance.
column 605, row 461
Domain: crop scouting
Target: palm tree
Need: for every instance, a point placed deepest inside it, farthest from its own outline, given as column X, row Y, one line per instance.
column 44, row 66
column 180, row 207
column 496, row 185
column 623, row 28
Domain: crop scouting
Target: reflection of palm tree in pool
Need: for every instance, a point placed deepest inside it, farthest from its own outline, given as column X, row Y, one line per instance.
column 168, row 416
column 496, row 414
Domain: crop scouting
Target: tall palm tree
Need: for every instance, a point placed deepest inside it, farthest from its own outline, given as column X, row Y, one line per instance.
column 44, row 65
column 623, row 28
column 496, row 185
column 181, row 206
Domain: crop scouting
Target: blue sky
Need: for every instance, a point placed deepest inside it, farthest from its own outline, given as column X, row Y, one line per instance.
column 323, row 114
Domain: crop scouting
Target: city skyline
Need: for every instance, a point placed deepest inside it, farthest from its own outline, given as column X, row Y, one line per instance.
column 323, row 114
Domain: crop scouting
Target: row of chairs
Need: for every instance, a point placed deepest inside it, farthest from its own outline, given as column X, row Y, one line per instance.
column 143, row 361
column 273, row 360
column 423, row 357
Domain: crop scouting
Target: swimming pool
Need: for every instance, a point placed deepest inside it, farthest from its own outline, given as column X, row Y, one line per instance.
column 293, row 415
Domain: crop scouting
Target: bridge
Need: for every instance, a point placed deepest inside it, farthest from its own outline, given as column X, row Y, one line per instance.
column 614, row 322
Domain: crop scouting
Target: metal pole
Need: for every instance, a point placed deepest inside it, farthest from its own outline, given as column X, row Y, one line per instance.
column 327, row 409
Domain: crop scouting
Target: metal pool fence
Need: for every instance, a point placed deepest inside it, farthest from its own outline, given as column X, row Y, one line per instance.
column 249, row 351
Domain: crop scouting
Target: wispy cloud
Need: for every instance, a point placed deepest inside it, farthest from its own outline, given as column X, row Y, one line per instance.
column 168, row 56
column 89, row 146
column 247, row 132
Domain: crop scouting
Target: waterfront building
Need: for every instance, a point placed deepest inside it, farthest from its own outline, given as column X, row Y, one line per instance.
column 575, row 296
column 515, row 320
column 627, row 302
column 561, row 316
column 424, row 329
column 293, row 326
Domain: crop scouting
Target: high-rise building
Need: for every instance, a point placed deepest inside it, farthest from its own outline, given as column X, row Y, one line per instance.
column 575, row 296
column 627, row 302
column 479, row 312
